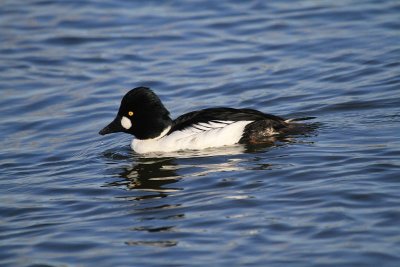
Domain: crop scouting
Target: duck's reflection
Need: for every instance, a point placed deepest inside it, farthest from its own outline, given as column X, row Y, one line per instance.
column 157, row 173
column 152, row 174
column 150, row 181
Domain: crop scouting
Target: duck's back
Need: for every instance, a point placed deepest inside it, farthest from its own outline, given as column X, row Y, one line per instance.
column 220, row 115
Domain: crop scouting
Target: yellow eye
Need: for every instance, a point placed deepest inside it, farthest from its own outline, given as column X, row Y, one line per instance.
column 130, row 113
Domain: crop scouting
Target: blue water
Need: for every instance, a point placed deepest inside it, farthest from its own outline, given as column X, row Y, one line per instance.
column 69, row 197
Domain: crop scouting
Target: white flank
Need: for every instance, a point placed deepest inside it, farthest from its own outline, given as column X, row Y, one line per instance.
column 199, row 136
column 126, row 123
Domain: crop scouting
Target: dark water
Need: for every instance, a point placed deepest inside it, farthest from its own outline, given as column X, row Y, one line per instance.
column 69, row 197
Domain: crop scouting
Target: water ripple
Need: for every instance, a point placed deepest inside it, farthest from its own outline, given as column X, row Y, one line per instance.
column 328, row 198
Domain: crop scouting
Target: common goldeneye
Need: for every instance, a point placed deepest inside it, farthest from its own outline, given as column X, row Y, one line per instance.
column 142, row 114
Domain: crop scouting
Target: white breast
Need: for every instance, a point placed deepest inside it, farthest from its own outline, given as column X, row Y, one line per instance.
column 199, row 136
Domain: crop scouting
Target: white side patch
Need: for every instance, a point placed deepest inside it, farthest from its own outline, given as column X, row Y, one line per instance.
column 126, row 123
column 218, row 134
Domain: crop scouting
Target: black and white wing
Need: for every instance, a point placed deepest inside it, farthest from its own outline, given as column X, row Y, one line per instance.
column 212, row 118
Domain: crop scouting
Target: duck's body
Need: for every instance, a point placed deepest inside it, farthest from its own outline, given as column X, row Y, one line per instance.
column 142, row 114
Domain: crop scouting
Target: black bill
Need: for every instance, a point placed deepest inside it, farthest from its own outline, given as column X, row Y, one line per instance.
column 114, row 127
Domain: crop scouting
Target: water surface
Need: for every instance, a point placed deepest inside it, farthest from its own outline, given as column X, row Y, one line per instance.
column 70, row 197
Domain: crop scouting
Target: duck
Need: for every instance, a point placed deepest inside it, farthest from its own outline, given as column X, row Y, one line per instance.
column 143, row 115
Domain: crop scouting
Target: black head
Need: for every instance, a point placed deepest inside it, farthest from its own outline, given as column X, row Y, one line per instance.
column 141, row 114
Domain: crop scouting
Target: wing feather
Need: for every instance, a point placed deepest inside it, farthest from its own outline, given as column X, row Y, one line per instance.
column 218, row 117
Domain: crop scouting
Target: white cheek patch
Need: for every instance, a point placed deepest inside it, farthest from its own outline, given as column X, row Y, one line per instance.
column 126, row 123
